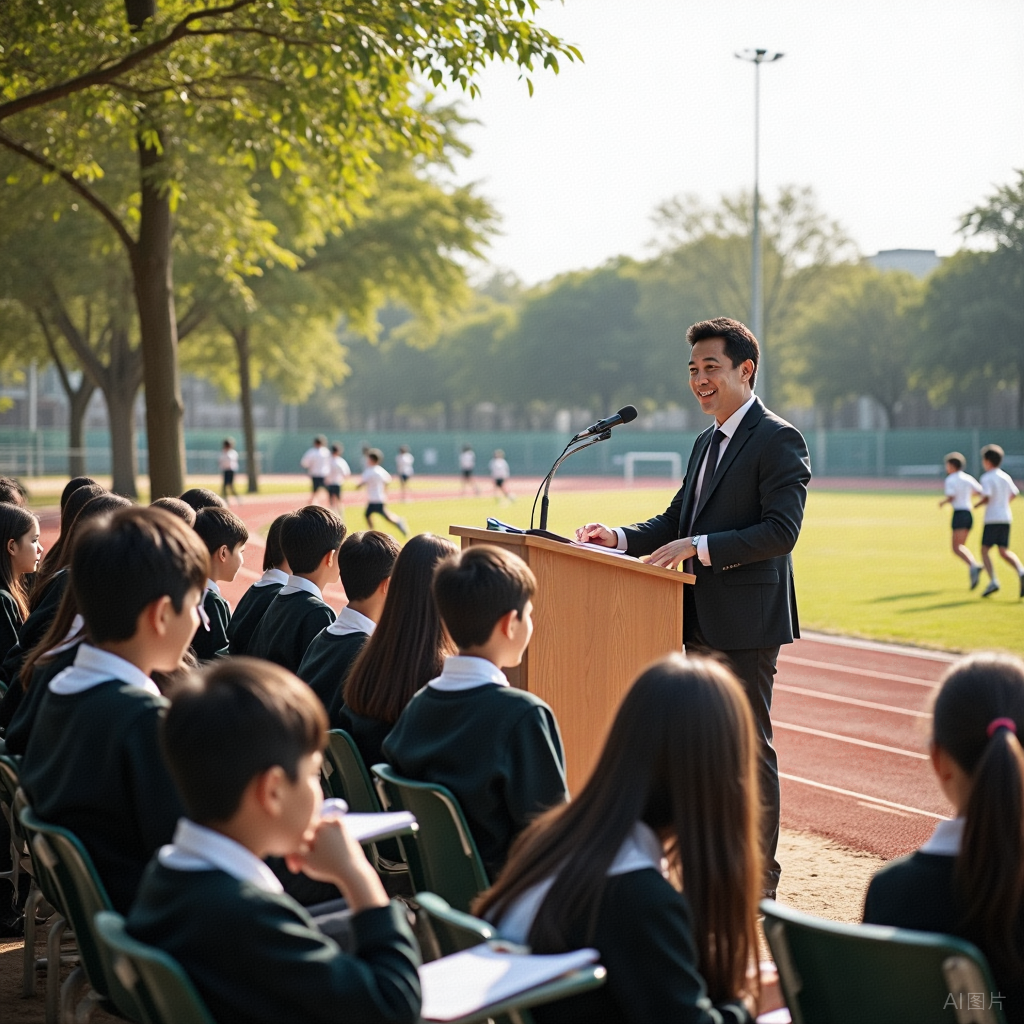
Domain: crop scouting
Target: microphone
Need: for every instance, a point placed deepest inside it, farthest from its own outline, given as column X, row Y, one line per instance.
column 625, row 415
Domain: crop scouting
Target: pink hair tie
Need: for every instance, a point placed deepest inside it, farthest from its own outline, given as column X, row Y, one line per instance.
column 1001, row 723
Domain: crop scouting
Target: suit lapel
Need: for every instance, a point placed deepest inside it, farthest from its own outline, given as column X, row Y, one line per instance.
column 732, row 449
column 699, row 450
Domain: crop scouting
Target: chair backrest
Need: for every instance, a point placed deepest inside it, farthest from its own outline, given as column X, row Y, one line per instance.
column 162, row 990
column 835, row 973
column 60, row 855
column 351, row 774
column 442, row 856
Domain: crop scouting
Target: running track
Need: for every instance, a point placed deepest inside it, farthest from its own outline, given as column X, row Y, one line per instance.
column 851, row 721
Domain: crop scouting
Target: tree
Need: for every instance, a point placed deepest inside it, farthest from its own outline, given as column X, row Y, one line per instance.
column 313, row 92
column 707, row 250
column 861, row 339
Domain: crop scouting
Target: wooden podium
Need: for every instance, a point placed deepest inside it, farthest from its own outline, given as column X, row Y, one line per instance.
column 599, row 618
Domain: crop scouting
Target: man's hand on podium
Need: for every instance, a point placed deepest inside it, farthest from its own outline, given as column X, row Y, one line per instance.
column 597, row 533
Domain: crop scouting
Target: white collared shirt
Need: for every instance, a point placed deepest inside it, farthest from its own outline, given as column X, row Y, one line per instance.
column 197, row 848
column 297, row 583
column 272, row 576
column 729, row 428
column 463, row 672
column 351, row 621
column 945, row 840
column 640, row 849
column 94, row 666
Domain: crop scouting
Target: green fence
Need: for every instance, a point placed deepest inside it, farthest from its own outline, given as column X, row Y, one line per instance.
column 835, row 453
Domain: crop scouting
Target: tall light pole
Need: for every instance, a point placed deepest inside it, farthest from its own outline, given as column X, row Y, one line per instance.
column 757, row 58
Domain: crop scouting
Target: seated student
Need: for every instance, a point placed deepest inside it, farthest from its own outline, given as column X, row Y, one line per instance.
column 968, row 879
column 52, row 579
column 310, row 539
column 406, row 651
column 224, row 535
column 256, row 600
column 176, row 507
column 93, row 762
column 202, row 497
column 365, row 562
column 495, row 747
column 12, row 492
column 244, row 746
column 656, row 863
column 20, row 552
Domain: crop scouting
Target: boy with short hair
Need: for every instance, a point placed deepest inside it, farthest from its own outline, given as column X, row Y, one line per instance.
column 365, row 562
column 997, row 490
column 495, row 747
column 244, row 745
column 375, row 479
column 310, row 539
column 202, row 497
column 256, row 600
column 224, row 535
column 959, row 488
column 92, row 763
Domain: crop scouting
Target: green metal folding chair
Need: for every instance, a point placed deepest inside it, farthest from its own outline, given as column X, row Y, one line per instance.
column 847, row 974
column 81, row 896
column 442, row 856
column 464, row 931
column 160, row 987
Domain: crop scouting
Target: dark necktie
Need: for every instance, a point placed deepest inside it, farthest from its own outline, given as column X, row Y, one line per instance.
column 709, row 468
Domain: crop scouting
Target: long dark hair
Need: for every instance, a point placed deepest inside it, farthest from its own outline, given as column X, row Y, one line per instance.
column 681, row 756
column 15, row 522
column 409, row 645
column 978, row 720
column 59, row 555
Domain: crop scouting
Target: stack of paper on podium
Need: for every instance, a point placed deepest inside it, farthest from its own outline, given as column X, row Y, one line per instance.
column 459, row 985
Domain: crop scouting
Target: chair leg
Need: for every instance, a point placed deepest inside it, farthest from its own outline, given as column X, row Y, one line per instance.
column 28, row 978
column 73, row 985
column 53, row 960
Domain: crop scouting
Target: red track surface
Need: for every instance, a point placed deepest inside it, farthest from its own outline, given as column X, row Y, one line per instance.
column 851, row 718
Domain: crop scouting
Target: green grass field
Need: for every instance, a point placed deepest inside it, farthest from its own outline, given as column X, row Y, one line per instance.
column 868, row 564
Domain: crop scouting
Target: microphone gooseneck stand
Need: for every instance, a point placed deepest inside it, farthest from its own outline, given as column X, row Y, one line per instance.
column 546, row 482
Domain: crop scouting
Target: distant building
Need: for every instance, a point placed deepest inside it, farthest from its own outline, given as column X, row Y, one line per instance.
column 919, row 262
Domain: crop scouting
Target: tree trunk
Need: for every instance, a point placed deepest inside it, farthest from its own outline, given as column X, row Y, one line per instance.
column 241, row 336
column 78, row 402
column 124, row 462
column 154, row 295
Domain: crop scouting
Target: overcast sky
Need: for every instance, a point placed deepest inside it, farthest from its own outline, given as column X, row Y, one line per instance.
column 902, row 114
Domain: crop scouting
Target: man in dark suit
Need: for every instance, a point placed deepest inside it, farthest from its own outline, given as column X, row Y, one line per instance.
column 734, row 523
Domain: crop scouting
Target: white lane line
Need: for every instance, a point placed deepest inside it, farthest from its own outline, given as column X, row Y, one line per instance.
column 899, row 650
column 863, row 797
column 817, row 694
column 850, row 739
column 849, row 670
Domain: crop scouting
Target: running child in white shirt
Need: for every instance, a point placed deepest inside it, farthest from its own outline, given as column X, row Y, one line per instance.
column 317, row 463
column 998, row 490
column 375, row 479
column 336, row 474
column 960, row 487
column 228, row 463
column 403, row 466
column 500, row 474
column 467, row 463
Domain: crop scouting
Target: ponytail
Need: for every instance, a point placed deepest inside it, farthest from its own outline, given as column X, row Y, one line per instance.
column 979, row 715
column 990, row 868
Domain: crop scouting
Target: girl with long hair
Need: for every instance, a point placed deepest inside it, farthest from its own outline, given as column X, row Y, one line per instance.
column 406, row 651
column 656, row 862
column 59, row 554
column 20, row 552
column 968, row 879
